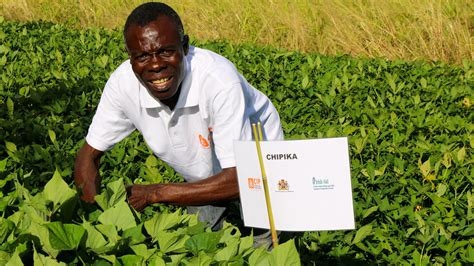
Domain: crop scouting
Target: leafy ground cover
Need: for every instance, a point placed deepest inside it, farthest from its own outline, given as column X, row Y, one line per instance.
column 410, row 127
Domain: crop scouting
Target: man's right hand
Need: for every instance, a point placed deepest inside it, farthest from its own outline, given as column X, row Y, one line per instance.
column 86, row 173
column 88, row 191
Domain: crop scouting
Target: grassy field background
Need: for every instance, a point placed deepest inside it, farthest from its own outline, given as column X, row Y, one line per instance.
column 401, row 29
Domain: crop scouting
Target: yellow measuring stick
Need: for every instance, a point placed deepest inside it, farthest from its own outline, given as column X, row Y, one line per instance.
column 259, row 137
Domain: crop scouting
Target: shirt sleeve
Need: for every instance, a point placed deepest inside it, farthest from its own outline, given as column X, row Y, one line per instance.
column 110, row 124
column 230, row 122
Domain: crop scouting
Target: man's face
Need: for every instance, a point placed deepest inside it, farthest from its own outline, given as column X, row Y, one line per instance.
column 157, row 55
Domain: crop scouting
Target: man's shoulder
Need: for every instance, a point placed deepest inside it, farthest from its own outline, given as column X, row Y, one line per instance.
column 209, row 64
column 123, row 71
column 203, row 55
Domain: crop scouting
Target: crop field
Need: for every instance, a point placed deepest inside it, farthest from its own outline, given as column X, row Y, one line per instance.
column 410, row 129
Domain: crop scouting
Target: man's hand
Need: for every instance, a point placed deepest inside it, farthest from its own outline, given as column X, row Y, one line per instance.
column 86, row 174
column 89, row 190
column 140, row 196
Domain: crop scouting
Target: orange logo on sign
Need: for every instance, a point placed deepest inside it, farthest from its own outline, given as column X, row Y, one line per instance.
column 254, row 183
column 203, row 141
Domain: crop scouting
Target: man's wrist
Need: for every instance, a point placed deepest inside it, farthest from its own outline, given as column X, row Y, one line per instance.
column 154, row 195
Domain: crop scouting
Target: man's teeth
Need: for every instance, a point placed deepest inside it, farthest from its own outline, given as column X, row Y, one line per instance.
column 159, row 81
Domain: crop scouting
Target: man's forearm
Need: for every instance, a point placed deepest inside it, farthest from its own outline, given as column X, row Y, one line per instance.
column 214, row 189
column 220, row 187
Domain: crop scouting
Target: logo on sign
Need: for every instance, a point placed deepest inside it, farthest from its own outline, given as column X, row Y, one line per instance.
column 283, row 185
column 254, row 183
column 322, row 184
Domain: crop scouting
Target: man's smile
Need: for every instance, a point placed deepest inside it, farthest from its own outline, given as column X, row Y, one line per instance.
column 161, row 84
column 160, row 81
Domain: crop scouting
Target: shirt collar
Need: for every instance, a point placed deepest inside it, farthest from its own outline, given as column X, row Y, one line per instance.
column 189, row 92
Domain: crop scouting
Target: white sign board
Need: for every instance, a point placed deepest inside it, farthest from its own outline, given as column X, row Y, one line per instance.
column 309, row 184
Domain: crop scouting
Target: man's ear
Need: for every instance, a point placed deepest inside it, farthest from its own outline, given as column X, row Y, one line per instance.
column 186, row 44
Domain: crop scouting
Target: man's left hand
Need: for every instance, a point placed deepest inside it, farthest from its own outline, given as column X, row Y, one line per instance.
column 140, row 196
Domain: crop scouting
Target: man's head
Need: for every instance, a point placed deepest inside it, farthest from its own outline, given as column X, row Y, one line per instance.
column 157, row 46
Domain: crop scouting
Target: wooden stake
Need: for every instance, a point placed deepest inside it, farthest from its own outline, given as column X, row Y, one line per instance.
column 259, row 137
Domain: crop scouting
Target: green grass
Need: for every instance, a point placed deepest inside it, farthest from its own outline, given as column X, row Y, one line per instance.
column 402, row 29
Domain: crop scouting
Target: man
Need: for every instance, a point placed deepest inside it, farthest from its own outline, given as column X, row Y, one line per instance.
column 189, row 104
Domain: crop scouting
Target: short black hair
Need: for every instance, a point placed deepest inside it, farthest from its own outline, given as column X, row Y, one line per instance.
column 145, row 13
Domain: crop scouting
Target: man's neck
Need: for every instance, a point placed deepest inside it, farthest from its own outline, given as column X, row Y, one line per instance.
column 171, row 102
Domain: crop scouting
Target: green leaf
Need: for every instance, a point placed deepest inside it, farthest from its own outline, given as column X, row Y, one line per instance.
column 198, row 228
column 52, row 136
column 10, row 107
column 461, row 154
column 3, row 164
column 305, row 82
column 110, row 258
column 4, row 257
column 113, row 194
column 11, row 147
column 119, row 215
column 423, row 83
column 131, row 260
column 285, row 254
column 6, row 228
column 41, row 260
column 110, row 231
column 151, row 161
column 158, row 261
column 134, row 235
column 201, row 259
column 176, row 259
column 370, row 211
column 171, row 241
column 95, row 241
column 362, row 233
column 58, row 191
column 425, row 167
column 65, row 236
column 163, row 221
column 143, row 251
column 229, row 233
column 246, row 245
column 228, row 252
column 42, row 233
column 441, row 190
column 34, row 214
column 206, row 241
column 260, row 257
column 102, row 61
column 15, row 260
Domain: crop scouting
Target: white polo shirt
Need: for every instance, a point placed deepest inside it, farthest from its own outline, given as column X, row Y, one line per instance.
column 215, row 107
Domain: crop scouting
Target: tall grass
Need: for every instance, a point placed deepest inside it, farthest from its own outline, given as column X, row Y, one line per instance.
column 395, row 29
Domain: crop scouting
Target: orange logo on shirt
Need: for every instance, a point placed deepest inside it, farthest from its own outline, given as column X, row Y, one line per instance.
column 203, row 141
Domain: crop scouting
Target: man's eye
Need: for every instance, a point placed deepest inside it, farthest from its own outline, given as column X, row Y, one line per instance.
column 142, row 58
column 167, row 52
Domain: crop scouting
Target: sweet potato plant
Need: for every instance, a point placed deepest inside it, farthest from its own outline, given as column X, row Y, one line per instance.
column 410, row 129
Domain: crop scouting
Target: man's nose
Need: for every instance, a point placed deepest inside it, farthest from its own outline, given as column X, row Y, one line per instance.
column 156, row 61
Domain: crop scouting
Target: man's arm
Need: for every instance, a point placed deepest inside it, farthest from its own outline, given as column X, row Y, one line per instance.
column 220, row 187
column 86, row 172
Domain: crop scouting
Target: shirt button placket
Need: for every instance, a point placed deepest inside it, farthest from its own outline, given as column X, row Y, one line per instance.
column 173, row 132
